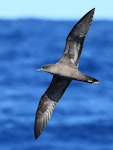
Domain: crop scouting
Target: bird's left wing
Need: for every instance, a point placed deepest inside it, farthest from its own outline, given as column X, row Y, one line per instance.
column 43, row 114
column 48, row 103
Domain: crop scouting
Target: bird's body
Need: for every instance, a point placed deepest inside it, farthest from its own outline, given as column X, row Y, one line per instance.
column 64, row 71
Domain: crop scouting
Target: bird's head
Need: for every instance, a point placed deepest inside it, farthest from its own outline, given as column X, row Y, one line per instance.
column 47, row 68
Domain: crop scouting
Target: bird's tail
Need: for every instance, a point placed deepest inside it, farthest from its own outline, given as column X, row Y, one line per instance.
column 85, row 78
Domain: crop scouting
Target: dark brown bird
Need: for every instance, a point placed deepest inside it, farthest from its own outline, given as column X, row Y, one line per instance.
column 64, row 71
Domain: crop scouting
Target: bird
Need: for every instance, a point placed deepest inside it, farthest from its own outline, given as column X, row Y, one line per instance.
column 63, row 71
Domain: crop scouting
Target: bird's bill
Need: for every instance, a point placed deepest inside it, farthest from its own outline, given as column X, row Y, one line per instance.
column 40, row 69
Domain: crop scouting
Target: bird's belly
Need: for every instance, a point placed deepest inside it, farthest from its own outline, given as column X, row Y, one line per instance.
column 66, row 71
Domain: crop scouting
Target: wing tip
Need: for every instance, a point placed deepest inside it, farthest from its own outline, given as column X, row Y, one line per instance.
column 36, row 136
column 36, row 132
column 91, row 11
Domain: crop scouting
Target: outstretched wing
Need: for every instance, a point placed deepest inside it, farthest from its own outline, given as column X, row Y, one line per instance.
column 48, row 103
column 43, row 114
column 75, row 39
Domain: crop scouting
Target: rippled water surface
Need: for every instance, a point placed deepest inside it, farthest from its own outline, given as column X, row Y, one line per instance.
column 83, row 119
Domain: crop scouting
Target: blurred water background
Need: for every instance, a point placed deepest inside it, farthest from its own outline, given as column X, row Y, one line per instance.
column 83, row 119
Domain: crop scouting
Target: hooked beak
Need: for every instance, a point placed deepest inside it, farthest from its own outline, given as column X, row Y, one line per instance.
column 39, row 69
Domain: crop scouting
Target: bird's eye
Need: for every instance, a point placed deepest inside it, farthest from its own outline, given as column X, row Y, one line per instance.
column 44, row 67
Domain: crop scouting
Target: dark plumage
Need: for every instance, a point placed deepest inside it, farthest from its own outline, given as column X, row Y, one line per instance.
column 64, row 71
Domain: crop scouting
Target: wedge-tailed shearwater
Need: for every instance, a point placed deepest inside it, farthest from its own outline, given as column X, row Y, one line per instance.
column 64, row 71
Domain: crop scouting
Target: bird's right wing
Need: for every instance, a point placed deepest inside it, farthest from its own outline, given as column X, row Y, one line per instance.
column 75, row 39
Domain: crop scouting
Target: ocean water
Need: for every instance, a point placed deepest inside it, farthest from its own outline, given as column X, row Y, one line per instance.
column 83, row 118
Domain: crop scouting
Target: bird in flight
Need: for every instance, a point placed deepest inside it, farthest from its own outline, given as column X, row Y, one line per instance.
column 64, row 71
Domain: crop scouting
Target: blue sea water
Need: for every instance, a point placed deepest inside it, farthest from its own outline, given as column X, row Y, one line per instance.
column 83, row 118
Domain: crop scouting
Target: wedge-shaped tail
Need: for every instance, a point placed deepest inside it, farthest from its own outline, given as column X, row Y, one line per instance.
column 85, row 78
